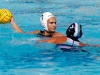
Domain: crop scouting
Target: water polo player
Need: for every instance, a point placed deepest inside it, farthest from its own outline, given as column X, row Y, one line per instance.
column 48, row 21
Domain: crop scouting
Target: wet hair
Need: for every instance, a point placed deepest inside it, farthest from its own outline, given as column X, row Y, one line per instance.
column 74, row 31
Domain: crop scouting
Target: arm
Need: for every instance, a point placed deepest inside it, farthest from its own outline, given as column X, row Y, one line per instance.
column 15, row 26
column 82, row 44
column 49, row 40
column 62, row 40
column 34, row 32
column 17, row 29
column 55, row 40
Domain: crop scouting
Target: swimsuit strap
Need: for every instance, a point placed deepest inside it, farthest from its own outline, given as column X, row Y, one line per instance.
column 42, row 32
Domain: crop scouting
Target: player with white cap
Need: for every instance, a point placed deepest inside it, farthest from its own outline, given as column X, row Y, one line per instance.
column 48, row 21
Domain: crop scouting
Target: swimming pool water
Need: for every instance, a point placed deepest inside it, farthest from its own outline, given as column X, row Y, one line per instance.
column 20, row 54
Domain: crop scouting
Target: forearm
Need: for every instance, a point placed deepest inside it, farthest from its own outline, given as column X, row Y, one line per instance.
column 15, row 26
column 82, row 44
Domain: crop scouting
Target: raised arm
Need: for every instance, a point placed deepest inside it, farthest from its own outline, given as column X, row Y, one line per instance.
column 15, row 26
column 17, row 29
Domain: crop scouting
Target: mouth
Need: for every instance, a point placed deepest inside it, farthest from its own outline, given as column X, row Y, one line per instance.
column 53, row 29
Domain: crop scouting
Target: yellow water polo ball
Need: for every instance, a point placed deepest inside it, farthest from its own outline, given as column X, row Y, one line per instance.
column 5, row 16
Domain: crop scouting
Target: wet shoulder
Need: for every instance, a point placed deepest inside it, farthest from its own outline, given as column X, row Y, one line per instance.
column 56, row 34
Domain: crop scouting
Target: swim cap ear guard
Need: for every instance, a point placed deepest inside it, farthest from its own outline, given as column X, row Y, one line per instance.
column 74, row 31
column 44, row 17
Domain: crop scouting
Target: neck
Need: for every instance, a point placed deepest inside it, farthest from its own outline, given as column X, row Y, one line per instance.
column 48, row 33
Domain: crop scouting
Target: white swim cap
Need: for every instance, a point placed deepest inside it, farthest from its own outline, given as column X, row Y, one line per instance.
column 44, row 17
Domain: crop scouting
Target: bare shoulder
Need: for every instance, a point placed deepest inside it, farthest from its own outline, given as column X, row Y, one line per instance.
column 56, row 34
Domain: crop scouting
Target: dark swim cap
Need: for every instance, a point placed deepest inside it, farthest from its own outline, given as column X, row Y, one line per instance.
column 74, row 31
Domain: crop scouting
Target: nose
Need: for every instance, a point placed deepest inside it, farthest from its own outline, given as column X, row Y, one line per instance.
column 54, row 24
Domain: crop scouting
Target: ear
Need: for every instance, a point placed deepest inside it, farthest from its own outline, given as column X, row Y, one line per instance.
column 42, row 17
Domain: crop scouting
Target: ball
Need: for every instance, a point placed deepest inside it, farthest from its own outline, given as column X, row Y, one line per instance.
column 5, row 16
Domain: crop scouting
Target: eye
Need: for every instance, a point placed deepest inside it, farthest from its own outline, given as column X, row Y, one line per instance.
column 51, row 22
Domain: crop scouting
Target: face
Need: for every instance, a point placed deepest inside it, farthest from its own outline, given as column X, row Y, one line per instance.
column 51, row 24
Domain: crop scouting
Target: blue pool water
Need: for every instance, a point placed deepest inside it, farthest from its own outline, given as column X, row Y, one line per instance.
column 20, row 54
